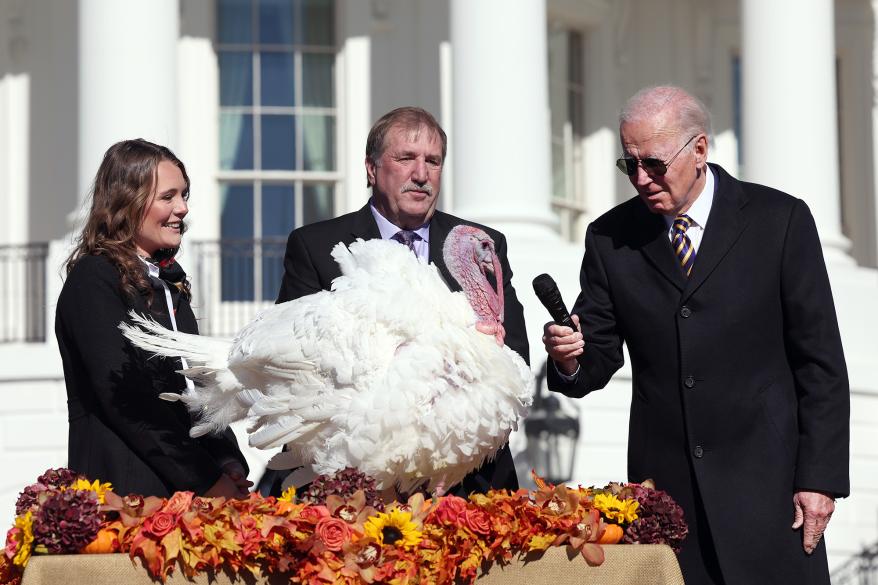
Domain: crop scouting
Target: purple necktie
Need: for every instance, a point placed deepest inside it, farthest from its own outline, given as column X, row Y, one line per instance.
column 408, row 238
column 682, row 246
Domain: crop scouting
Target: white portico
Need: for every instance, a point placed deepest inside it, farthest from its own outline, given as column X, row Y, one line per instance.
column 268, row 102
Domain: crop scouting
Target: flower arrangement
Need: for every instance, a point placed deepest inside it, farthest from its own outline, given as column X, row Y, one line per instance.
column 337, row 531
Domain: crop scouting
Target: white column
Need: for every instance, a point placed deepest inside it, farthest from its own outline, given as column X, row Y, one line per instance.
column 14, row 144
column 128, row 77
column 197, row 133
column 354, row 79
column 15, row 99
column 790, row 128
column 502, row 170
column 874, row 194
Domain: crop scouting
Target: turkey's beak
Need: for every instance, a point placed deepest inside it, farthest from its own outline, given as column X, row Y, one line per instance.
column 486, row 256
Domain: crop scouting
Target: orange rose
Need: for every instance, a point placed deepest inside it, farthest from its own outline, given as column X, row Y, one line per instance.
column 477, row 521
column 313, row 514
column 449, row 510
column 179, row 503
column 333, row 532
column 160, row 524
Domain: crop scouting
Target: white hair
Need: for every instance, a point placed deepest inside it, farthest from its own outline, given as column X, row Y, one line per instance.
column 689, row 113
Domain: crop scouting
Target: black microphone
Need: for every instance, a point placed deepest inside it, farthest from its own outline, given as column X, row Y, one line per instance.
column 548, row 293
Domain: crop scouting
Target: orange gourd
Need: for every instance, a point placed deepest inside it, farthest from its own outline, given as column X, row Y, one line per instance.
column 105, row 542
column 612, row 534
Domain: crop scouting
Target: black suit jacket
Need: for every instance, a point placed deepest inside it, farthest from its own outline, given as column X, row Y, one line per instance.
column 740, row 393
column 309, row 268
column 120, row 430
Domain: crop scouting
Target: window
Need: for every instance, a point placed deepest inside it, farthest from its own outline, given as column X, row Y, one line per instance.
column 737, row 122
column 567, row 104
column 277, row 124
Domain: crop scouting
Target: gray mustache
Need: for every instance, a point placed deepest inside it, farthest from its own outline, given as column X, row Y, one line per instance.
column 426, row 188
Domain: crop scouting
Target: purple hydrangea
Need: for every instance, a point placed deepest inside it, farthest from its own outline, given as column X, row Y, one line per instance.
column 67, row 521
column 343, row 484
column 58, row 478
column 28, row 498
column 660, row 520
column 52, row 479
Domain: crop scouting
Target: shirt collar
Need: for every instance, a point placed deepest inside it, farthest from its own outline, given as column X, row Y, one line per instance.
column 150, row 267
column 700, row 209
column 388, row 229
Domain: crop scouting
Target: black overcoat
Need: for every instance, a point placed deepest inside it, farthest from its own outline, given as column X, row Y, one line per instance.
column 120, row 430
column 309, row 268
column 740, row 393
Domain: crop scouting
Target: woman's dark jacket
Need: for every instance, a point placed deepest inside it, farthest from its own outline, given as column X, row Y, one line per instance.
column 120, row 430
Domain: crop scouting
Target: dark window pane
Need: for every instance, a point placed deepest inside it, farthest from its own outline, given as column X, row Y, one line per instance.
column 575, row 108
column 317, row 203
column 278, row 76
column 559, row 170
column 236, row 141
column 236, row 78
column 318, row 22
column 319, row 142
column 276, row 22
column 737, row 121
column 574, row 57
column 278, row 220
column 317, row 80
column 278, row 142
column 278, row 210
column 235, row 23
column 236, row 229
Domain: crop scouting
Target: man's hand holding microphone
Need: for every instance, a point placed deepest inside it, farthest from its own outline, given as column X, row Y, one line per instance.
column 562, row 337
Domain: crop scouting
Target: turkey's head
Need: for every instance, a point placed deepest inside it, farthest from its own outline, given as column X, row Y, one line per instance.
column 470, row 256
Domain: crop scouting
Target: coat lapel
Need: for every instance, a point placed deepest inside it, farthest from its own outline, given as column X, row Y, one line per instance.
column 657, row 247
column 725, row 224
column 363, row 225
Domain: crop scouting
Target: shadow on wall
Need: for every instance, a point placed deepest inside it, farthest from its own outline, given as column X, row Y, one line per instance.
column 39, row 63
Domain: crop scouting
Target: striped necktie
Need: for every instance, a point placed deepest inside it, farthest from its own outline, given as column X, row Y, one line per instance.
column 682, row 245
column 407, row 237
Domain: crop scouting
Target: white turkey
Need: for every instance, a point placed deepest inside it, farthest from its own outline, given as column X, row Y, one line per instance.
column 390, row 372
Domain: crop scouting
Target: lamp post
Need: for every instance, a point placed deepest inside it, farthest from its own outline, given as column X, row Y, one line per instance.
column 552, row 435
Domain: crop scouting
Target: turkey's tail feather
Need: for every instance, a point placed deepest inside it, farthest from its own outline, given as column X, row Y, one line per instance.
column 213, row 400
column 198, row 350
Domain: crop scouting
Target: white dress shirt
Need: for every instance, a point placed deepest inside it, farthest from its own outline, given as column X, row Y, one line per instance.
column 154, row 272
column 388, row 230
column 698, row 213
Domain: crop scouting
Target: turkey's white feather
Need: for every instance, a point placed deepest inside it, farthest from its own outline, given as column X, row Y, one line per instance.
column 386, row 373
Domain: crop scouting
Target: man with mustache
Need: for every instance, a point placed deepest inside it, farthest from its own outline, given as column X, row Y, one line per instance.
column 405, row 152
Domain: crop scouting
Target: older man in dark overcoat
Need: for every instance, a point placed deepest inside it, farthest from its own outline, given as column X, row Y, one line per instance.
column 740, row 399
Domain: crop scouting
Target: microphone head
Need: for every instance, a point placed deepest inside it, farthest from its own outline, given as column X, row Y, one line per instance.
column 544, row 284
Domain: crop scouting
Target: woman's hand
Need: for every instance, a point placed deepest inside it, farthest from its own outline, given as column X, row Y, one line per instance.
column 227, row 487
column 236, row 472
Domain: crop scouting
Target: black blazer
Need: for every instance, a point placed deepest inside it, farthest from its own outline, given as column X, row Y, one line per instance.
column 309, row 268
column 740, row 393
column 120, row 430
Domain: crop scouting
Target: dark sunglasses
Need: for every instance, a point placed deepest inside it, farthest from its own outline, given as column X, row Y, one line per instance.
column 653, row 166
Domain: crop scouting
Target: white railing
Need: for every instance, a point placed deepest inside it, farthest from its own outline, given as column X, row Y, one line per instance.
column 23, row 292
column 232, row 280
column 861, row 569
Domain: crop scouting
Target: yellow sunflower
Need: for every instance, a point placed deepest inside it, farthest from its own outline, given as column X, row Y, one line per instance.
column 96, row 486
column 394, row 527
column 24, row 538
column 617, row 510
column 289, row 494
